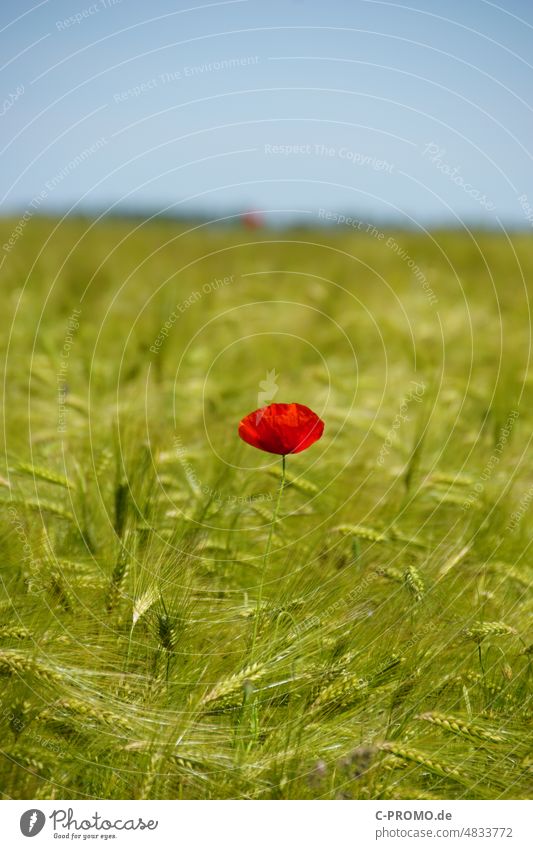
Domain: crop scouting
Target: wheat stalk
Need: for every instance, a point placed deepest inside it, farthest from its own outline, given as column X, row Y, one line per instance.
column 229, row 687
column 346, row 689
column 459, row 726
column 41, row 505
column 452, row 479
column 362, row 531
column 75, row 708
column 60, row 591
column 166, row 631
column 118, row 579
column 14, row 663
column 413, row 582
column 481, row 630
column 15, row 632
column 422, row 759
column 43, row 474
column 391, row 572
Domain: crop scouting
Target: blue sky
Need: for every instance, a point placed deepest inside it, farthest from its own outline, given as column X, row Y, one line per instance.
column 418, row 113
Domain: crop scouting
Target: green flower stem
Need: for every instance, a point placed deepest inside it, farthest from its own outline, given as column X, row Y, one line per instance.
column 267, row 555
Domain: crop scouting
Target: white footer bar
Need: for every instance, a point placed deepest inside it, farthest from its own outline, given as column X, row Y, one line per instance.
column 268, row 825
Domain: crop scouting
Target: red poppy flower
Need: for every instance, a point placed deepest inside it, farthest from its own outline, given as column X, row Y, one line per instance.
column 281, row 428
column 252, row 220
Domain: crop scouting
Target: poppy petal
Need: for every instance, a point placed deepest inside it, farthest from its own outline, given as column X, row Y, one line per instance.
column 281, row 428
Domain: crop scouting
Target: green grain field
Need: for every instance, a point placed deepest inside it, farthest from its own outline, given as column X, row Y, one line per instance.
column 393, row 647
